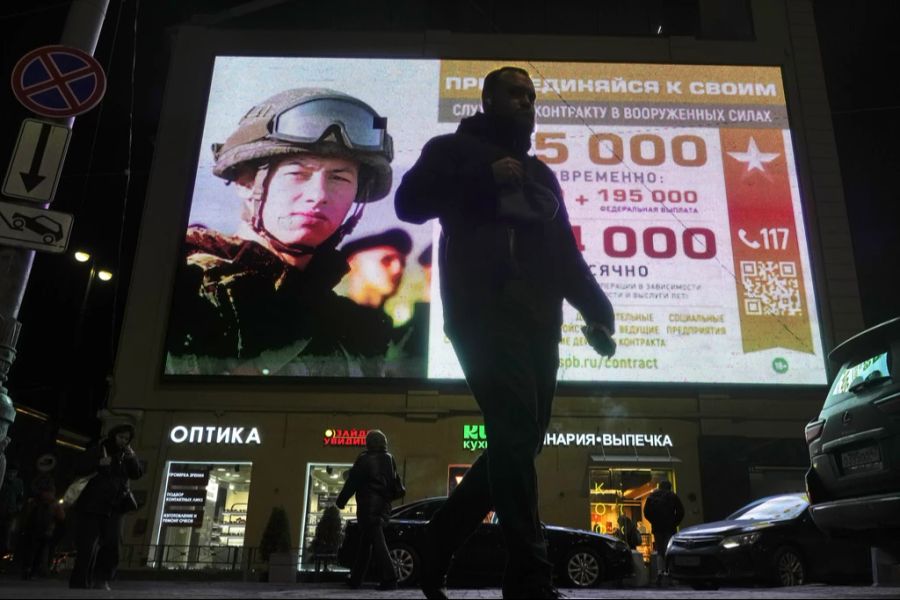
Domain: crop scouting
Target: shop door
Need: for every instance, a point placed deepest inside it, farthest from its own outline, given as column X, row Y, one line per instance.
column 621, row 492
column 323, row 484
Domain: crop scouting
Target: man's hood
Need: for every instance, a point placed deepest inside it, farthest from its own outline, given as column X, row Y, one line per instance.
column 496, row 131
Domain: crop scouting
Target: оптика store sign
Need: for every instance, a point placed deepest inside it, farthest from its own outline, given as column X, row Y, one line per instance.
column 474, row 438
column 212, row 434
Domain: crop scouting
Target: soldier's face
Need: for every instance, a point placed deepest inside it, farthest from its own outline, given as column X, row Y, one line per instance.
column 309, row 197
column 380, row 268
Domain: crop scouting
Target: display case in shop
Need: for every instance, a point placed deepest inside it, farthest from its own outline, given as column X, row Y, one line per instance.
column 323, row 486
column 228, row 528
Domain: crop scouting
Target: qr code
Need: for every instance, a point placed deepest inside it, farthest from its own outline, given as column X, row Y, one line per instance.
column 771, row 288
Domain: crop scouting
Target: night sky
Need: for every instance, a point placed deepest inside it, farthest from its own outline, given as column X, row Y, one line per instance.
column 106, row 174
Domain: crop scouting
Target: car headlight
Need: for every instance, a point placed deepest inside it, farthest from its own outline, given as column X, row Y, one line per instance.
column 737, row 541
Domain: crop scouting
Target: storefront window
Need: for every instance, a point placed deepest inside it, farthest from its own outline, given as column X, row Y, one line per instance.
column 623, row 491
column 455, row 475
column 323, row 484
column 204, row 514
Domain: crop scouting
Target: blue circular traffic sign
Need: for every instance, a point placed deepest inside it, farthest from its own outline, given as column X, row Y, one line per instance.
column 58, row 81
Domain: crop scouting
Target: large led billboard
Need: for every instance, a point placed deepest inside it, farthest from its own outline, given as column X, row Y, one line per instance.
column 679, row 180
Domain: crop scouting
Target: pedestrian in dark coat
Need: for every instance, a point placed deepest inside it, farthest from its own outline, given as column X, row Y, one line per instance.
column 665, row 511
column 100, row 507
column 374, row 480
column 507, row 260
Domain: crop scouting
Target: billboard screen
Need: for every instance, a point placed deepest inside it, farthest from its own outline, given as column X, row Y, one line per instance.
column 679, row 180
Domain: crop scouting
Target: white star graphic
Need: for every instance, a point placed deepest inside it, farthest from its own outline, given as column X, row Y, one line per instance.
column 753, row 157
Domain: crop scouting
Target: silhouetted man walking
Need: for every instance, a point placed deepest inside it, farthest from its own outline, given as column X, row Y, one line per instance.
column 507, row 259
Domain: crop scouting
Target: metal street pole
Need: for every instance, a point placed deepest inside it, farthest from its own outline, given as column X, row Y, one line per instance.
column 82, row 30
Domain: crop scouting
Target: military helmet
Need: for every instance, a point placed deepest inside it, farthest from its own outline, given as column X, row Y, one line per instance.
column 312, row 120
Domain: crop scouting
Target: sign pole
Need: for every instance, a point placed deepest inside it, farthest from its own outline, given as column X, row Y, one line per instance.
column 82, row 30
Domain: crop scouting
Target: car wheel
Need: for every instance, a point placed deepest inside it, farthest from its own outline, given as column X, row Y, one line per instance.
column 583, row 568
column 789, row 568
column 406, row 563
column 49, row 239
column 18, row 223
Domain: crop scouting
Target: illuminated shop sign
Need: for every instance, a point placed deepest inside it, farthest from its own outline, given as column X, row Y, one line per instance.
column 345, row 437
column 474, row 438
column 185, row 497
column 199, row 434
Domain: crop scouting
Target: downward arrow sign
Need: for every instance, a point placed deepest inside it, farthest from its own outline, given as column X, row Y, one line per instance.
column 34, row 170
column 33, row 178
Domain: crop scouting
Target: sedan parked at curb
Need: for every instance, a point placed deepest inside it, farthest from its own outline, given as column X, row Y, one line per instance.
column 771, row 541
column 580, row 558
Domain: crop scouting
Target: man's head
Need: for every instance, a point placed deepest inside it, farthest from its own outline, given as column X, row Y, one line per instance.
column 508, row 95
column 300, row 159
column 377, row 263
column 376, row 440
column 121, row 435
column 665, row 484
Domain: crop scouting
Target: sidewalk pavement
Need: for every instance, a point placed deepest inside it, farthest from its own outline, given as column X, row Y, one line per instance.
column 56, row 588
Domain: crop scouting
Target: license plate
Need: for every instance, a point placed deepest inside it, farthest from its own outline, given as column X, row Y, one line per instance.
column 863, row 459
column 687, row 561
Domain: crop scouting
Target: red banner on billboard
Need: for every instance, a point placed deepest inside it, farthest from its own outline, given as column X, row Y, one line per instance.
column 771, row 295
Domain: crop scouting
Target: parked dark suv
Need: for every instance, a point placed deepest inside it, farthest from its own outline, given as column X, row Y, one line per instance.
column 854, row 445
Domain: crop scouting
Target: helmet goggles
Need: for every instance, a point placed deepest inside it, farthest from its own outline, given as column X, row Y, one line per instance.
column 308, row 122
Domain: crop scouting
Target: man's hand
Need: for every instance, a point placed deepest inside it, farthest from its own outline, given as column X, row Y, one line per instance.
column 129, row 452
column 105, row 460
column 4, row 443
column 508, row 171
column 600, row 338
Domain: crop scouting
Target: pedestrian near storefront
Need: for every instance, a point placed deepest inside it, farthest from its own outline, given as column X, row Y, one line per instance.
column 665, row 511
column 374, row 480
column 100, row 506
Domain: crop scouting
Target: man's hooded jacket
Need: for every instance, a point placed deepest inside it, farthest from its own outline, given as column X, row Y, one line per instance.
column 493, row 234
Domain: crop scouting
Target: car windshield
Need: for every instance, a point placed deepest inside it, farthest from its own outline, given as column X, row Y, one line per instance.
column 855, row 376
column 776, row 508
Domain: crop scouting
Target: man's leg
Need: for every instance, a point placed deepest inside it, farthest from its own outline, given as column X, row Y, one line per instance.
column 108, row 554
column 361, row 563
column 87, row 535
column 454, row 522
column 499, row 363
column 387, row 573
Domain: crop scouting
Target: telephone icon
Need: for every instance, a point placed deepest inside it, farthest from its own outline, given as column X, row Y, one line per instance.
column 742, row 234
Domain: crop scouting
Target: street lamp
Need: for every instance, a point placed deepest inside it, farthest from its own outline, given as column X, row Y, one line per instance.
column 104, row 276
column 101, row 274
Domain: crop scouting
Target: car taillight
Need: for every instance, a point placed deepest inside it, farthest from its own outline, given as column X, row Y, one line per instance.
column 890, row 405
column 814, row 430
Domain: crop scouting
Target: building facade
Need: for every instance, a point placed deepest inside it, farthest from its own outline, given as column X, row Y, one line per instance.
column 239, row 447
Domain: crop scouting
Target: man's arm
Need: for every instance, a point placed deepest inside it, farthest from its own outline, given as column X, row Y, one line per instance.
column 679, row 510
column 440, row 180
column 348, row 490
column 132, row 464
column 580, row 287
